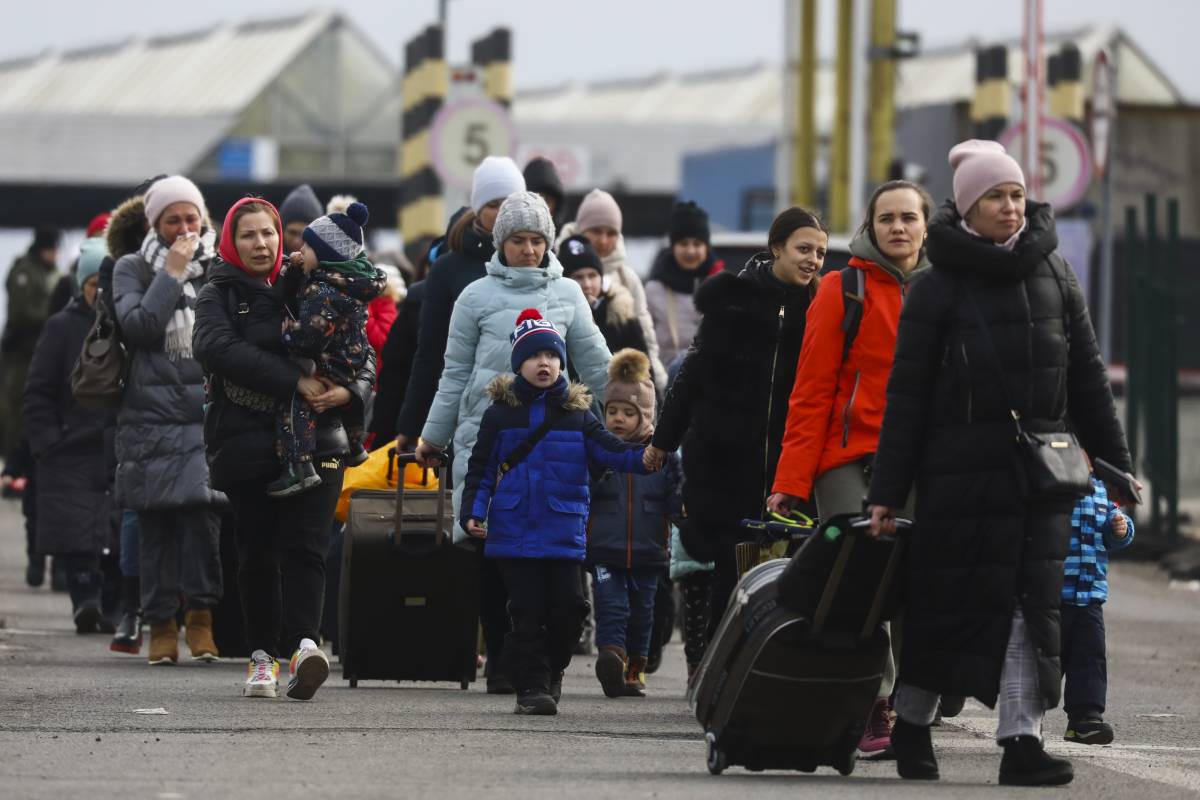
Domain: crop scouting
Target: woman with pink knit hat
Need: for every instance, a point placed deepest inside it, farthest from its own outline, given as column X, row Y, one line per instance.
column 599, row 219
column 998, row 330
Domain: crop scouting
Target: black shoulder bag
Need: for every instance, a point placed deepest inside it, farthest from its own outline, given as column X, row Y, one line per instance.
column 522, row 450
column 1053, row 464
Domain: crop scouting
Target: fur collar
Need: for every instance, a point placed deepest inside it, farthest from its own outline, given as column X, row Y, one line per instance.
column 618, row 307
column 500, row 390
column 127, row 228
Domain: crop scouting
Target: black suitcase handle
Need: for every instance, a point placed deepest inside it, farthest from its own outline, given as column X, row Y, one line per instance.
column 411, row 458
column 858, row 526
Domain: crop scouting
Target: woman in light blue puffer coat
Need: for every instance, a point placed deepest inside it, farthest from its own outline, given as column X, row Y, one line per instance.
column 522, row 274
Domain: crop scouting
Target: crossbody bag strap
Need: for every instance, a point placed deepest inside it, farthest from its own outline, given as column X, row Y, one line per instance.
column 991, row 346
column 522, row 450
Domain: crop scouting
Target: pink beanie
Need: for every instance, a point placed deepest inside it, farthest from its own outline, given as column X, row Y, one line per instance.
column 597, row 210
column 978, row 166
column 168, row 191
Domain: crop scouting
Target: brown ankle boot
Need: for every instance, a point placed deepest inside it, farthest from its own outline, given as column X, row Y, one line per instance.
column 164, row 642
column 198, row 635
column 635, row 677
column 610, row 670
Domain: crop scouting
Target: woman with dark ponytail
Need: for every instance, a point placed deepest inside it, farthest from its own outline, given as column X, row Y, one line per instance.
column 728, row 404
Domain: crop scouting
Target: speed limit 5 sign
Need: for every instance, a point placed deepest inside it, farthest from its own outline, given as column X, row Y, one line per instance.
column 465, row 132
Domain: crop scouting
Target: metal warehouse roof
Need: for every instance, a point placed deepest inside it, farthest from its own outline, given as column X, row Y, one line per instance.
column 754, row 95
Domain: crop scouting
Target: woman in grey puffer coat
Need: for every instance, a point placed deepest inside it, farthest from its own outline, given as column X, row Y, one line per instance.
column 162, row 473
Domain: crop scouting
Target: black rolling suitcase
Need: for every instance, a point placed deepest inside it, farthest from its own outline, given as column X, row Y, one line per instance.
column 780, row 688
column 409, row 598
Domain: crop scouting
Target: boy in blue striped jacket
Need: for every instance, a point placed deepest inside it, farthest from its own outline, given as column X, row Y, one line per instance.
column 1097, row 526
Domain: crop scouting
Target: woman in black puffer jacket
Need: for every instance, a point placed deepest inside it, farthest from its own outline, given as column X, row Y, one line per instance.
column 282, row 542
column 986, row 563
column 728, row 405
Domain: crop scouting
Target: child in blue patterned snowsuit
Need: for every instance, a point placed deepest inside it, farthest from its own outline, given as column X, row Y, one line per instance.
column 1097, row 526
column 333, row 282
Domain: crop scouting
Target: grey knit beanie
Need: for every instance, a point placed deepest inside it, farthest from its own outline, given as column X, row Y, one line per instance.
column 523, row 211
column 301, row 205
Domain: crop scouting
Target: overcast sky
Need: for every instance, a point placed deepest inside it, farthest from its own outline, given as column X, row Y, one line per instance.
column 560, row 40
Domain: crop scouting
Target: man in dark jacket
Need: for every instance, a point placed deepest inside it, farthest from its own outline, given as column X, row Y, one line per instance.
column 74, row 451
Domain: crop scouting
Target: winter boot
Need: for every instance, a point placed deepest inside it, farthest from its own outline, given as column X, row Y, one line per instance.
column 87, row 618
column 535, row 702
column 610, row 670
column 199, row 635
column 358, row 455
column 1026, row 763
column 35, row 571
column 635, row 677
column 556, row 688
column 914, row 752
column 164, row 642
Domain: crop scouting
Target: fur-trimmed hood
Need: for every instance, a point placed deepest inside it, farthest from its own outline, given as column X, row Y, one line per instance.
column 127, row 228
column 500, row 390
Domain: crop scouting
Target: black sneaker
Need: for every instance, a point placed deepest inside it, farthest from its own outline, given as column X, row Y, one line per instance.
column 87, row 619
column 556, row 687
column 1026, row 763
column 35, row 571
column 1089, row 731
column 128, row 636
column 913, row 749
column 535, row 702
column 296, row 478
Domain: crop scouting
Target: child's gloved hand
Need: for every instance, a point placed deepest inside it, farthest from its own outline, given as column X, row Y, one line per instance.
column 652, row 458
column 1119, row 525
column 475, row 529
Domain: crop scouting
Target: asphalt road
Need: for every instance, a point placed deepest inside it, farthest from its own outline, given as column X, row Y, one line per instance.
column 67, row 727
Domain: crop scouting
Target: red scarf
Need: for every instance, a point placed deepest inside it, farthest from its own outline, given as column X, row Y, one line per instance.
column 228, row 250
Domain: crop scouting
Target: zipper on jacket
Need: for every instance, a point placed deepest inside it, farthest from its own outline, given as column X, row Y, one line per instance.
column 848, row 408
column 771, row 404
column 967, row 368
column 629, row 521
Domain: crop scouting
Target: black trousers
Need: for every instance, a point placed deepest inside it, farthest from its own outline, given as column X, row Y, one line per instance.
column 493, row 612
column 282, row 544
column 696, row 592
column 723, row 582
column 547, row 609
column 1084, row 662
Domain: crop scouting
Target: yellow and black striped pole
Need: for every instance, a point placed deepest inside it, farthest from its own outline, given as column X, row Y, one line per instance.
column 989, row 110
column 493, row 56
column 1064, row 73
column 426, row 80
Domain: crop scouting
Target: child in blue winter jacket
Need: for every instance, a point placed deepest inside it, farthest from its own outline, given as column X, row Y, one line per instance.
column 1097, row 526
column 531, row 507
column 629, row 533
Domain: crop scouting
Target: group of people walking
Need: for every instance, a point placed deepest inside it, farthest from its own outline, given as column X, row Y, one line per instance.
column 606, row 435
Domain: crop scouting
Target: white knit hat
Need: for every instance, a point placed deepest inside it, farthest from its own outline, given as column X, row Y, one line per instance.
column 168, row 191
column 496, row 178
column 523, row 211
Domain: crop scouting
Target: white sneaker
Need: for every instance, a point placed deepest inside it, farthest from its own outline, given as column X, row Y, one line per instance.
column 262, row 676
column 308, row 668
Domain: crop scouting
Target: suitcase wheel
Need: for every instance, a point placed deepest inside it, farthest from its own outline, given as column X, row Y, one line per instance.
column 845, row 764
column 717, row 760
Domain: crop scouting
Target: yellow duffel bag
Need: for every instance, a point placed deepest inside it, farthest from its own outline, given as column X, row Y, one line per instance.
column 379, row 472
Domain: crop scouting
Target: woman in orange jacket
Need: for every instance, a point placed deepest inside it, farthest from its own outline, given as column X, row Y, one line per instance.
column 836, row 408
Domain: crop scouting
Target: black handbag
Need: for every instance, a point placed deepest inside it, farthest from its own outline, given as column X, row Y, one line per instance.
column 1052, row 465
column 98, row 378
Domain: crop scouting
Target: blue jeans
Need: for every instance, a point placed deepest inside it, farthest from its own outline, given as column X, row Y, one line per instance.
column 131, row 534
column 625, row 607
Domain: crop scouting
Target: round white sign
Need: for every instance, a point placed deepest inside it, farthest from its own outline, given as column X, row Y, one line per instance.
column 1066, row 160
column 463, row 133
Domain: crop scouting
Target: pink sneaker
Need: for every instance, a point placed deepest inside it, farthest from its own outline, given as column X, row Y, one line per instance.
column 877, row 737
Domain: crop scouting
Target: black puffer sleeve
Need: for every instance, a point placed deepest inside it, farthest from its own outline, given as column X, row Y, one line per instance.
column 676, row 413
column 221, row 351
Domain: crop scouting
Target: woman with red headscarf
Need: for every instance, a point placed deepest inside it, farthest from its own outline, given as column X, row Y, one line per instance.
column 282, row 542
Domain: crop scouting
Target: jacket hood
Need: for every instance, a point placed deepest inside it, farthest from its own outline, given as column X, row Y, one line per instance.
column 526, row 277
column 228, row 250
column 222, row 273
column 863, row 249
column 618, row 305
column 953, row 249
column 127, row 228
column 729, row 293
column 500, row 390
column 760, row 269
